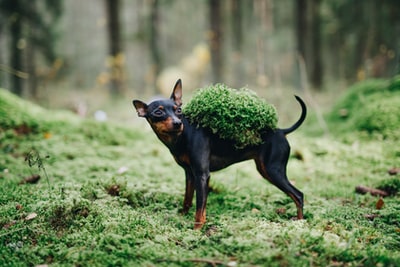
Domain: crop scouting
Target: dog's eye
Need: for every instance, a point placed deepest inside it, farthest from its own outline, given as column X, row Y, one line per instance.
column 178, row 111
column 158, row 113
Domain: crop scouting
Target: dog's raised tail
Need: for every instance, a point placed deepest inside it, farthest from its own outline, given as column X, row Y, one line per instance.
column 300, row 120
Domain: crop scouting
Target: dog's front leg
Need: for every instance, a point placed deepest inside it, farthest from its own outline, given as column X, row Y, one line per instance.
column 189, row 192
column 201, row 180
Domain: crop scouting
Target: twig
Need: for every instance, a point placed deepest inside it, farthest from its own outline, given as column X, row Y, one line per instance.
column 19, row 74
column 33, row 158
column 25, row 227
column 373, row 191
column 212, row 262
column 198, row 260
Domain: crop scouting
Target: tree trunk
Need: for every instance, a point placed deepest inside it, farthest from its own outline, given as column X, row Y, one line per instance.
column 215, row 13
column 115, row 46
column 308, row 39
column 301, row 26
column 16, row 51
column 301, row 37
column 237, row 32
column 32, row 87
column 316, row 70
column 154, row 40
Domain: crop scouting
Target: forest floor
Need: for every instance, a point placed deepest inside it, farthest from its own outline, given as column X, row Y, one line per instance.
column 77, row 192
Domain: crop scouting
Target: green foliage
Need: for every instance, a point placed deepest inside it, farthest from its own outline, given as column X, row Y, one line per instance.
column 237, row 115
column 371, row 106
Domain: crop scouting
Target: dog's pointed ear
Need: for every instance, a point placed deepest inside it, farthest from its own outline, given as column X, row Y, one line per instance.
column 176, row 95
column 141, row 108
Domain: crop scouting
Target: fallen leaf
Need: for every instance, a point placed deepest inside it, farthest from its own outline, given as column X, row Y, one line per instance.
column 297, row 154
column 33, row 179
column 371, row 216
column 9, row 224
column 122, row 170
column 254, row 210
column 380, row 203
column 47, row 135
column 31, row 216
column 280, row 211
column 113, row 190
column 212, row 230
column 328, row 227
column 394, row 171
column 343, row 113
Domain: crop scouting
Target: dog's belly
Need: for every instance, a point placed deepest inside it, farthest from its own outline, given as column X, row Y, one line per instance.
column 218, row 162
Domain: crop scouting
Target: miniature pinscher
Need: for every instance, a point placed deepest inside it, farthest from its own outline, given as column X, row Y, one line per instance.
column 198, row 151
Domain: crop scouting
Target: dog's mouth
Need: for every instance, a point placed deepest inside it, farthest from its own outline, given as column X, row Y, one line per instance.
column 168, row 129
column 175, row 130
column 175, row 127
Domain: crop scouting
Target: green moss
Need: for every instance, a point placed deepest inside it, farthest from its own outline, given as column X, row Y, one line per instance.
column 114, row 195
column 394, row 84
column 26, row 117
column 355, row 98
column 16, row 113
column 237, row 115
column 370, row 106
column 382, row 116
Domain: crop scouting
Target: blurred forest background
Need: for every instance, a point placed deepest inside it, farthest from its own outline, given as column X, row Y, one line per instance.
column 141, row 47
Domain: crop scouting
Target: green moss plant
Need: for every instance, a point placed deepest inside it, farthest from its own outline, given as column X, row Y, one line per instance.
column 233, row 114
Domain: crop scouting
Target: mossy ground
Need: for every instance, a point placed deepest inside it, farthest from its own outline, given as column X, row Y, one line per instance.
column 371, row 107
column 109, row 195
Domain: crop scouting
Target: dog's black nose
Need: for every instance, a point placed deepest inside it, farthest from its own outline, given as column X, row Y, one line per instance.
column 177, row 124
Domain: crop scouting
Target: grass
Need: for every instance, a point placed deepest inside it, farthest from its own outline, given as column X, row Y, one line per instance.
column 109, row 195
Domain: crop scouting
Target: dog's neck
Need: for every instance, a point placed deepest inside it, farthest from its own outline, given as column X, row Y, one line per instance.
column 170, row 139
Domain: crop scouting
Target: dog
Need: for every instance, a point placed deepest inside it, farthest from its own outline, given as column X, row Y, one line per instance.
column 198, row 151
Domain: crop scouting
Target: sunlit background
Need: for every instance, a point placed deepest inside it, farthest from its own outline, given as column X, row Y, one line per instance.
column 65, row 54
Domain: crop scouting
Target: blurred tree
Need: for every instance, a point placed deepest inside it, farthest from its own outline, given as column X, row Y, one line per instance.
column 31, row 24
column 237, row 11
column 154, row 40
column 116, row 60
column 308, row 39
column 215, row 39
column 364, row 37
column 315, row 55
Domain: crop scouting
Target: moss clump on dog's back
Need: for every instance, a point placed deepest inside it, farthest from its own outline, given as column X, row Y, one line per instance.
column 237, row 115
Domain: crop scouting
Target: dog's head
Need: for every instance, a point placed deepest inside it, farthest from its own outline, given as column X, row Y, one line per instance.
column 165, row 115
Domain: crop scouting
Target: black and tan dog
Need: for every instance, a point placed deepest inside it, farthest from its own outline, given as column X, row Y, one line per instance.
column 198, row 151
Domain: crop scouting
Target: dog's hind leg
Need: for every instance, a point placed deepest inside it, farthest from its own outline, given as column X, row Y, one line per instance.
column 272, row 166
